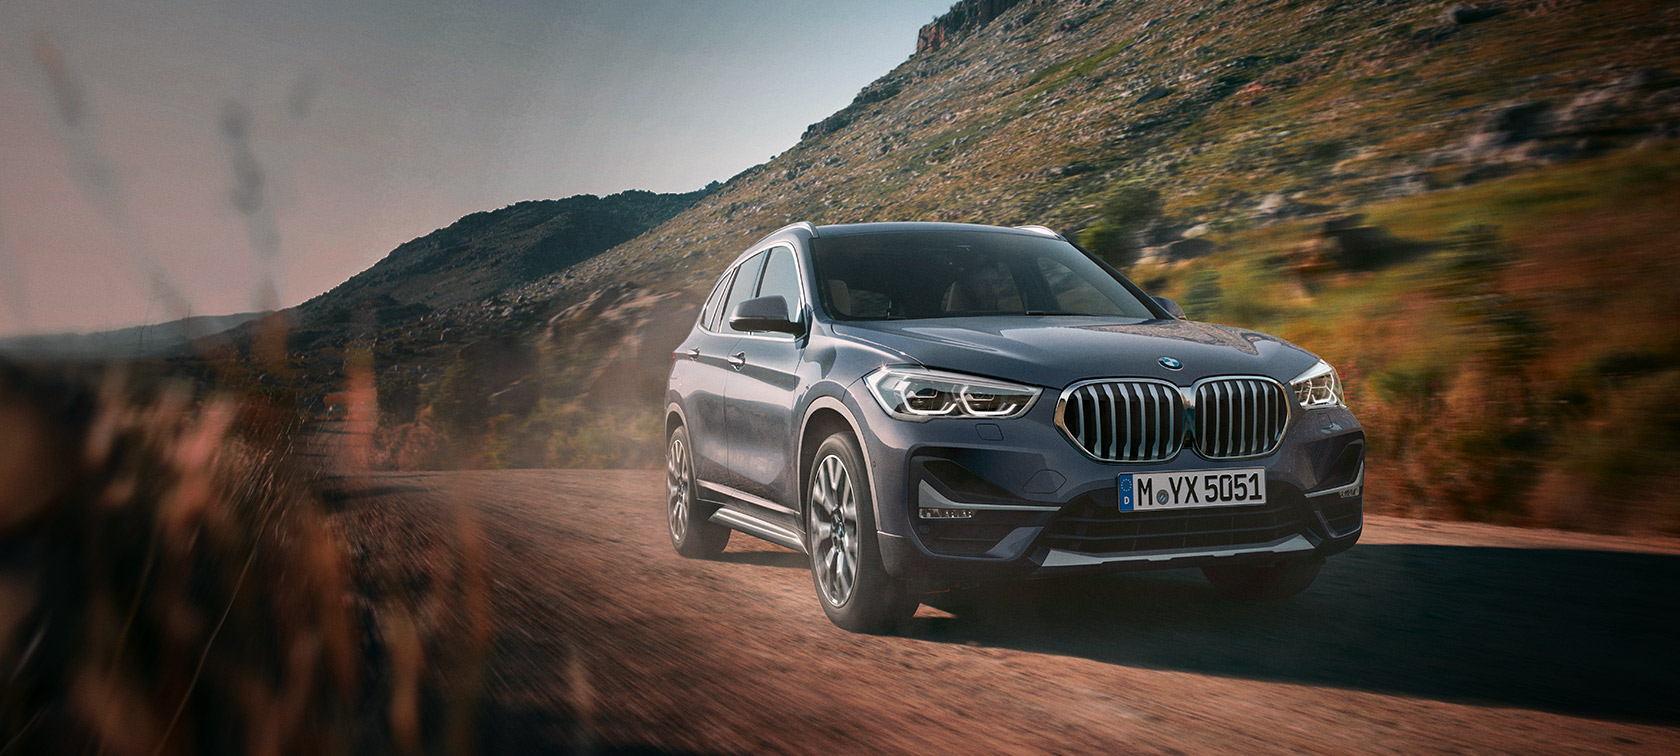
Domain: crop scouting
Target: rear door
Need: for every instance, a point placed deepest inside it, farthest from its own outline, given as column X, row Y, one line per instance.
column 708, row 371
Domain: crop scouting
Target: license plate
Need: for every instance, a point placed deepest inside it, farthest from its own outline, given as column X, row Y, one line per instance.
column 1197, row 488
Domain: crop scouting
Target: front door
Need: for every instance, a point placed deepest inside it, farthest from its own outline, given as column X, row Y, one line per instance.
column 761, row 398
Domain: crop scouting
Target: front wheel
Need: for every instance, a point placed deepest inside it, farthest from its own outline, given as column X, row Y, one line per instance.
column 1262, row 582
column 855, row 590
column 691, row 533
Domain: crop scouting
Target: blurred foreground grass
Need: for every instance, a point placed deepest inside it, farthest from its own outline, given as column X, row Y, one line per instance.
column 172, row 581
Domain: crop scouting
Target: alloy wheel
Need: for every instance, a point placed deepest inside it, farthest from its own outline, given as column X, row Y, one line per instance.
column 678, row 477
column 834, row 529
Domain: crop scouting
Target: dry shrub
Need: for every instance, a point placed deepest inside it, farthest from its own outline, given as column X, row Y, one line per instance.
column 415, row 445
column 1616, row 470
column 168, row 586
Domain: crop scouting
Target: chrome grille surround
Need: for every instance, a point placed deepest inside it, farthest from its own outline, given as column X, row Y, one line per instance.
column 1150, row 420
column 1123, row 419
column 1239, row 417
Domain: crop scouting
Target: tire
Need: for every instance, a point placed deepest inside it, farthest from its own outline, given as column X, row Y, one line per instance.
column 854, row 589
column 1262, row 582
column 691, row 533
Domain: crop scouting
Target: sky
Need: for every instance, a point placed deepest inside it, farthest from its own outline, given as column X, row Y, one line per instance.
column 166, row 157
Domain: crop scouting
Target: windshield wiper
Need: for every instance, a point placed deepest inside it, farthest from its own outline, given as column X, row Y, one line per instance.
column 1055, row 312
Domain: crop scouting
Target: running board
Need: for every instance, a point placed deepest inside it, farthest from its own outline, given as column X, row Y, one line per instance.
column 753, row 526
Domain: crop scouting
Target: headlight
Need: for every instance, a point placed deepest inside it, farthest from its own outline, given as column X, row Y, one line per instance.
column 1318, row 387
column 909, row 393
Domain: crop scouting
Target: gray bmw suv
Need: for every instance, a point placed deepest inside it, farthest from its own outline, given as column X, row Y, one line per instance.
column 919, row 406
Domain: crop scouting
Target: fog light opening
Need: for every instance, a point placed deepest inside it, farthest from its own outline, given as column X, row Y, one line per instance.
column 941, row 513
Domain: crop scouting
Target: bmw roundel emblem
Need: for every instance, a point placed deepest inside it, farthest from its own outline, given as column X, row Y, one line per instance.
column 1170, row 363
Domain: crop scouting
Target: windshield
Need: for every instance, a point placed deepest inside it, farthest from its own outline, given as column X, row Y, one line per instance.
column 949, row 274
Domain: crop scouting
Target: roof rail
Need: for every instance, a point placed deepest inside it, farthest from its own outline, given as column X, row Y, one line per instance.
column 804, row 225
column 1042, row 231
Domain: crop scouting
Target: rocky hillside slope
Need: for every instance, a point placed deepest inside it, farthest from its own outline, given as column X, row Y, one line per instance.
column 1233, row 112
column 480, row 256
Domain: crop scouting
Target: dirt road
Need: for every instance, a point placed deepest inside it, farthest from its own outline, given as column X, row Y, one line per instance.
column 1426, row 637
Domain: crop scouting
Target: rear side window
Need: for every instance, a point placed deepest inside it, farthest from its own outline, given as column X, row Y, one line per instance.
column 781, row 278
column 746, row 282
column 714, row 303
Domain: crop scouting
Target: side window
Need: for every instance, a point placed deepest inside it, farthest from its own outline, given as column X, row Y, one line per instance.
column 709, row 313
column 781, row 278
column 746, row 281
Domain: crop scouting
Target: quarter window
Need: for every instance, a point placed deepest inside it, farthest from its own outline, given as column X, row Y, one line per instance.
column 709, row 313
column 746, row 281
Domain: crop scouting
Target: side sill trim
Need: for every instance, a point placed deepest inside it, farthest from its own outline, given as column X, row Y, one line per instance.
column 738, row 495
column 1060, row 558
column 753, row 526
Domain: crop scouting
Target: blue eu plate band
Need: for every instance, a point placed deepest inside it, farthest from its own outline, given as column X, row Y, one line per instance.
column 1126, row 492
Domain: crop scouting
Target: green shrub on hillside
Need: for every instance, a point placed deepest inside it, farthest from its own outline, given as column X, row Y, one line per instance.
column 1126, row 212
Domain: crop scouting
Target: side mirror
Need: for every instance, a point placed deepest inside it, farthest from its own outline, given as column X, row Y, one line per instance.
column 1170, row 306
column 764, row 314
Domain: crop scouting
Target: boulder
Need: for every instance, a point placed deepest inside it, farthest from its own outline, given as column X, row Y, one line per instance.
column 1337, row 223
column 1595, row 110
column 1277, row 206
column 1153, row 94
column 1063, row 171
column 1186, row 249
column 1271, row 204
column 1519, row 121
column 1500, row 135
column 1461, row 14
column 1368, row 247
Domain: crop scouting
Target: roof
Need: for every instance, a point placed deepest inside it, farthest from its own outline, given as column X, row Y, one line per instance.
column 859, row 229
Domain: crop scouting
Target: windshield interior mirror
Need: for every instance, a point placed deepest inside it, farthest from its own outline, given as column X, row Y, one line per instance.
column 1170, row 306
column 764, row 314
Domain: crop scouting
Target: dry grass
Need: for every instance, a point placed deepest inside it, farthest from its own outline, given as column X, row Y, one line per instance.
column 170, row 583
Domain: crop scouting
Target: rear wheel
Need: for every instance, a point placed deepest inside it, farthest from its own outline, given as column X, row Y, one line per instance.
column 855, row 590
column 691, row 533
column 1261, row 582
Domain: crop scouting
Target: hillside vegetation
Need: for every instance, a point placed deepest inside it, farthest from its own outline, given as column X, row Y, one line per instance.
column 1465, row 207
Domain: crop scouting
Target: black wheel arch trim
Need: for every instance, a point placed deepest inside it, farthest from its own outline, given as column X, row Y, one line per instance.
column 827, row 402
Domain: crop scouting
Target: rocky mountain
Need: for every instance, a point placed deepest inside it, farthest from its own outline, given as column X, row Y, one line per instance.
column 486, row 253
column 157, row 340
column 416, row 308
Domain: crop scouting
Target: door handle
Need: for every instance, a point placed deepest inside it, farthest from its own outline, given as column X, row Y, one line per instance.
column 738, row 360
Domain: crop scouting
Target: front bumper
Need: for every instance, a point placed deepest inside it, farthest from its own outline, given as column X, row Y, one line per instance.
column 1041, row 507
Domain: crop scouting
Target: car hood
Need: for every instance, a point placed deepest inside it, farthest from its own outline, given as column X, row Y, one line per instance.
column 1055, row 351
